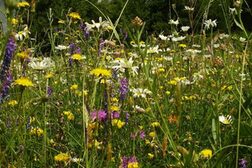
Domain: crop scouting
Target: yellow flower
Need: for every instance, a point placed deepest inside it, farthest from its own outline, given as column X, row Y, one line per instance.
column 155, row 124
column 133, row 165
column 118, row 123
column 61, row 21
column 62, row 157
column 74, row 87
column 69, row 115
column 37, row 131
column 206, row 153
column 150, row 155
column 97, row 144
column 23, row 81
column 23, row 4
column 85, row 92
column 12, row 102
column 152, row 134
column 23, row 55
column 172, row 82
column 14, row 21
column 49, row 75
column 74, row 15
column 101, row 72
column 182, row 45
column 114, row 108
column 77, row 57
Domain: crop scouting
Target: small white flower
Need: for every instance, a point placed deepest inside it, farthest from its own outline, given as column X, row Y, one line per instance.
column 185, row 28
column 122, row 64
column 180, row 38
column 225, row 119
column 223, row 35
column 162, row 37
column 22, row 34
column 233, row 11
column 242, row 39
column 139, row 92
column 189, row 8
column 210, row 23
column 139, row 109
column 174, row 22
column 61, row 47
column 38, row 64
column 153, row 50
column 105, row 25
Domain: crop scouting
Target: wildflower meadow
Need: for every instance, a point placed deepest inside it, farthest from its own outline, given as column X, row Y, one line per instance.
column 107, row 96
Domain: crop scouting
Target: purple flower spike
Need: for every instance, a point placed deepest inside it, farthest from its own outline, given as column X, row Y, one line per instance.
column 124, row 88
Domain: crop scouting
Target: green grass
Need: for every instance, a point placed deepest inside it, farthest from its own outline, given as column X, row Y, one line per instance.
column 169, row 116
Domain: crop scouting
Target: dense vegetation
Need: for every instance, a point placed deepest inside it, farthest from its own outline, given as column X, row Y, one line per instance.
column 168, row 85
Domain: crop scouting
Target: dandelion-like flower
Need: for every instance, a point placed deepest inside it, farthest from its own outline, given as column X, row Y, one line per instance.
column 23, row 81
column 74, row 15
column 206, row 153
column 100, row 72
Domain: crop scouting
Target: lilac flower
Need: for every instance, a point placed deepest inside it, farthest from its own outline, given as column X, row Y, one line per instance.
column 142, row 134
column 99, row 115
column 9, row 51
column 124, row 88
column 243, row 163
column 49, row 91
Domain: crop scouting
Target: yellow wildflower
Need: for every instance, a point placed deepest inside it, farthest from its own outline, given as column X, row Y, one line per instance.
column 114, row 108
column 101, row 72
column 152, row 134
column 62, row 157
column 118, row 123
column 14, row 21
column 12, row 102
column 77, row 57
column 23, row 55
column 37, row 131
column 133, row 165
column 206, row 153
column 150, row 155
column 97, row 144
column 74, row 15
column 74, row 87
column 23, row 81
column 61, row 21
column 23, row 4
column 85, row 92
column 69, row 115
column 155, row 124
column 49, row 75
column 182, row 45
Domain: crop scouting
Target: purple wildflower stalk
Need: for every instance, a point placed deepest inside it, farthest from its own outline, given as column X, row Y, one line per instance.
column 243, row 163
column 9, row 52
column 83, row 28
column 101, row 45
column 124, row 88
column 5, row 87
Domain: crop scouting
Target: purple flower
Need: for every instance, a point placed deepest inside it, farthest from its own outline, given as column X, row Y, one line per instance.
column 101, row 45
column 243, row 163
column 9, row 52
column 99, row 115
column 142, row 134
column 124, row 88
column 5, row 87
column 115, row 114
column 85, row 31
column 127, row 160
column 49, row 91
